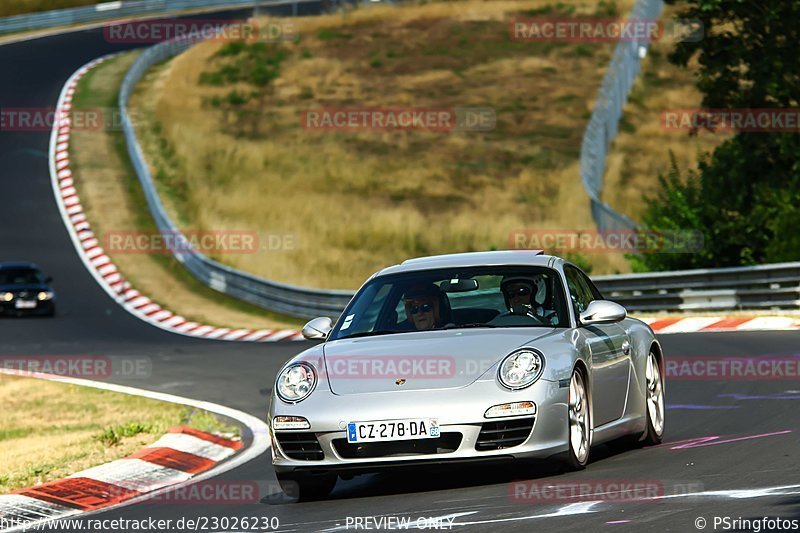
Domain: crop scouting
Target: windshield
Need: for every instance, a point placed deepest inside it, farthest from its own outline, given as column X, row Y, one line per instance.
column 22, row 276
column 455, row 298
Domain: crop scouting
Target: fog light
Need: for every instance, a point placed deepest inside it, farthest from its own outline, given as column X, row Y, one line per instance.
column 511, row 409
column 290, row 422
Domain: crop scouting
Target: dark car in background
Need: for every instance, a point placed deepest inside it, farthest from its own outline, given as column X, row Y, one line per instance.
column 24, row 290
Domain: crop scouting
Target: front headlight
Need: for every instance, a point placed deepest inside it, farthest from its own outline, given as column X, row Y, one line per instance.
column 296, row 382
column 7, row 296
column 44, row 295
column 521, row 369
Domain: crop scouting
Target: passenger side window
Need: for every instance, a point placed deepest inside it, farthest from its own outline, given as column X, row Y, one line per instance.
column 579, row 291
column 596, row 295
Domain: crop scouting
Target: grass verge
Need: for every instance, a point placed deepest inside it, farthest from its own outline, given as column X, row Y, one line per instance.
column 114, row 202
column 90, row 427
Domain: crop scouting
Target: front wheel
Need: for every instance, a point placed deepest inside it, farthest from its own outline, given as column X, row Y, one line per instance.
column 654, row 402
column 580, row 426
column 304, row 487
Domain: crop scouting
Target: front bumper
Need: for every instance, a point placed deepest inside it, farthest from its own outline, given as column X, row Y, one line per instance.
column 459, row 411
column 42, row 307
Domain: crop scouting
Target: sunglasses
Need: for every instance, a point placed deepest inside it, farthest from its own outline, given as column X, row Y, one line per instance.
column 424, row 308
column 519, row 291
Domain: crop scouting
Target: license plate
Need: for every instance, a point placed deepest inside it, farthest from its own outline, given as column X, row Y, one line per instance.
column 386, row 430
column 25, row 304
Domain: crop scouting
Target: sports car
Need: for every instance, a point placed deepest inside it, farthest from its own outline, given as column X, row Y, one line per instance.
column 24, row 290
column 503, row 355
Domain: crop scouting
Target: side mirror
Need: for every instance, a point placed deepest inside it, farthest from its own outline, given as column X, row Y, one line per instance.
column 603, row 312
column 318, row 328
column 48, row 279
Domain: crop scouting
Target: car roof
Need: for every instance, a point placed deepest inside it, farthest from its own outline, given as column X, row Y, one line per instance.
column 472, row 259
column 16, row 265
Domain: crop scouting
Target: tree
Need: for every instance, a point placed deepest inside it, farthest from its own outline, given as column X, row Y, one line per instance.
column 743, row 196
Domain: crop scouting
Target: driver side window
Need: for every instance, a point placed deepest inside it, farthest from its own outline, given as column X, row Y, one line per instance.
column 579, row 291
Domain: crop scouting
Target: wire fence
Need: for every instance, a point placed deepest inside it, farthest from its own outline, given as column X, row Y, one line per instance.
column 602, row 128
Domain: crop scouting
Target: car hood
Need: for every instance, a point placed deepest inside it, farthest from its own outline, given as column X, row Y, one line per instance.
column 420, row 360
column 22, row 288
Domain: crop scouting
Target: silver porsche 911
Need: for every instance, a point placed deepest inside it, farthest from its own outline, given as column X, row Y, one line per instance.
column 492, row 355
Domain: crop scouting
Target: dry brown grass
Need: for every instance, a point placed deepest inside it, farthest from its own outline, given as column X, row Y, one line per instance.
column 359, row 201
column 51, row 430
column 17, row 7
column 113, row 202
column 641, row 151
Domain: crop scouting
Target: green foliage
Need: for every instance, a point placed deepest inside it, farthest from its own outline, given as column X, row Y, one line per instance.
column 744, row 197
column 113, row 435
column 328, row 34
column 239, row 63
column 749, row 54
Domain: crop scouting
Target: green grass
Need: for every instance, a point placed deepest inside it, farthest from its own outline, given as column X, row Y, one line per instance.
column 92, row 427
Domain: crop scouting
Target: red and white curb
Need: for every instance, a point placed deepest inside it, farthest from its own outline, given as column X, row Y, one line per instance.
column 701, row 324
column 181, row 457
column 175, row 458
column 94, row 257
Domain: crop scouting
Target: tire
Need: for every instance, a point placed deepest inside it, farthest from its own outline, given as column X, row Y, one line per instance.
column 654, row 402
column 579, row 423
column 304, row 487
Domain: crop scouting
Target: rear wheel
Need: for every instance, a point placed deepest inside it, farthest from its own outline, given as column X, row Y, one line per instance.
column 654, row 401
column 579, row 423
column 306, row 487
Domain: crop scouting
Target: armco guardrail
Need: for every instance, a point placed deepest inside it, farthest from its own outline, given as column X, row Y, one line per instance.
column 107, row 11
column 758, row 287
column 602, row 128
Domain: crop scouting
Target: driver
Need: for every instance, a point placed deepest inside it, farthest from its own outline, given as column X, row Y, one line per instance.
column 524, row 296
column 423, row 306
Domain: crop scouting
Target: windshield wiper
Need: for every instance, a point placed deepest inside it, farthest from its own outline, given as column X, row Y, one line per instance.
column 370, row 333
column 470, row 325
